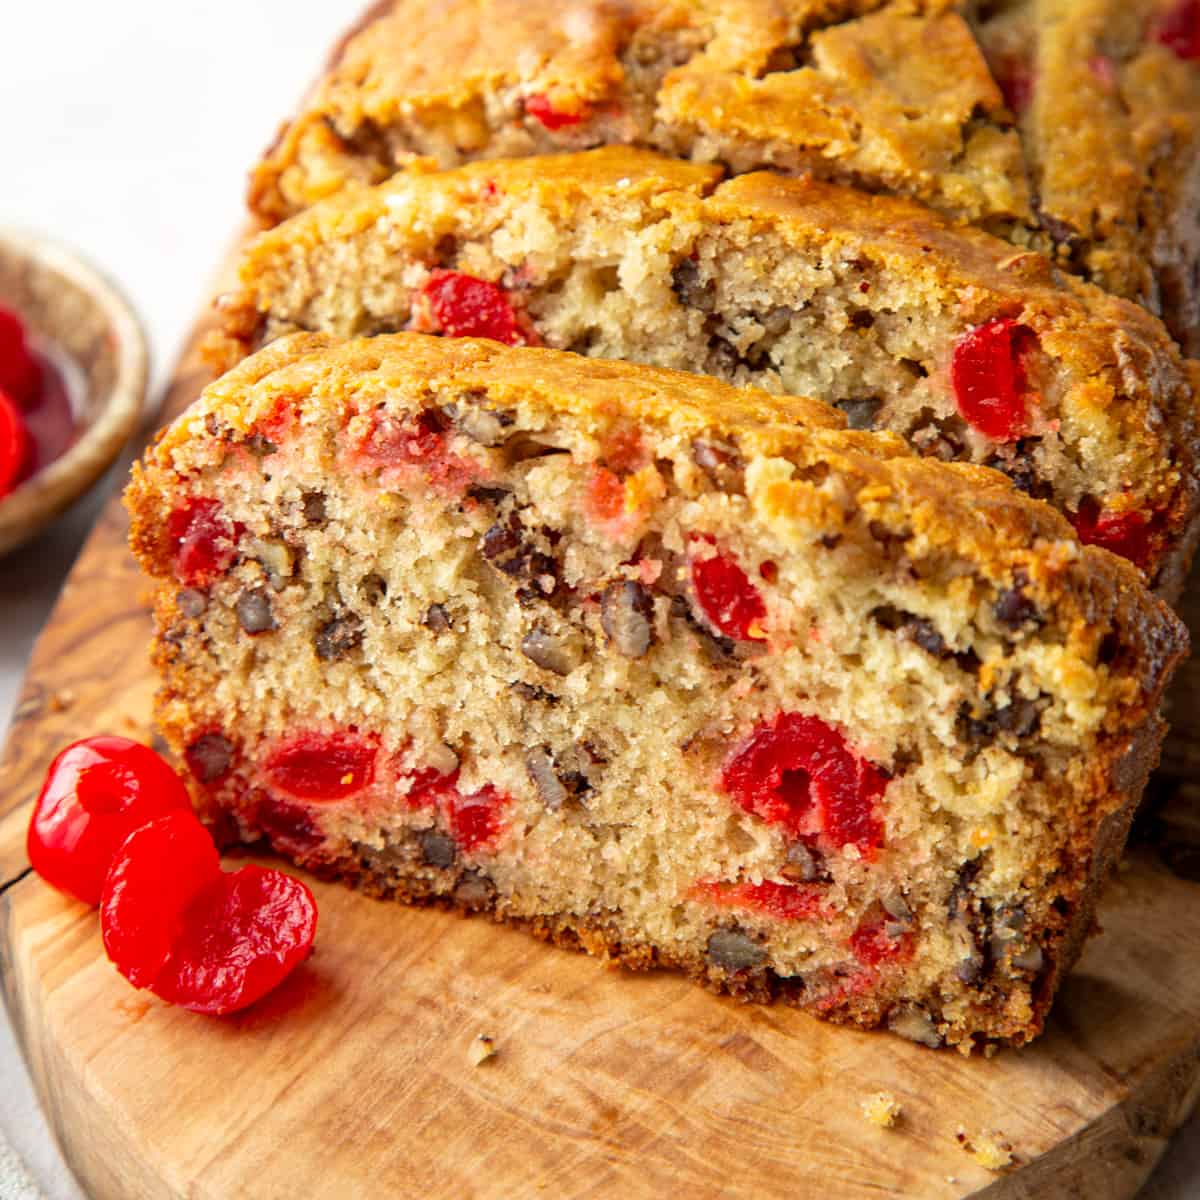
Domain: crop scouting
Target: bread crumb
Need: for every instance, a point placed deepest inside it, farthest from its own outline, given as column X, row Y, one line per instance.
column 989, row 1150
column 482, row 1047
column 882, row 1109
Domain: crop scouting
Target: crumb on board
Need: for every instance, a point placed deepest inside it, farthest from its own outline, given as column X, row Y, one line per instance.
column 882, row 1109
column 482, row 1047
column 990, row 1150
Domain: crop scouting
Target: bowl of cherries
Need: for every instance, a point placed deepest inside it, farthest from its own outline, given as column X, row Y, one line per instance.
column 73, row 369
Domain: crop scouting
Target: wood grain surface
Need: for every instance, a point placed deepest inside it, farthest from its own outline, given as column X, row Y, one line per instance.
column 354, row 1079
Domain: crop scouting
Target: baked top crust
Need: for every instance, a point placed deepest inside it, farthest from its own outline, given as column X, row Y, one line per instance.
column 1072, row 127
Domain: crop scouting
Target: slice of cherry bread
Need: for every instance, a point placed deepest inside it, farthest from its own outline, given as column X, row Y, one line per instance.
column 970, row 349
column 1072, row 126
column 682, row 674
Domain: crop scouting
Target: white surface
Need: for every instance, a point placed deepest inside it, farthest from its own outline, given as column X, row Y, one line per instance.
column 126, row 130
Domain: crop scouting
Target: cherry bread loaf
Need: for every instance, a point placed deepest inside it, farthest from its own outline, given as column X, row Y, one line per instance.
column 1070, row 126
column 682, row 674
column 970, row 349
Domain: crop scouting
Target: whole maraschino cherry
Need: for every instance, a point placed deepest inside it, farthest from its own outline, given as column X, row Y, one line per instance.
column 96, row 793
column 113, row 826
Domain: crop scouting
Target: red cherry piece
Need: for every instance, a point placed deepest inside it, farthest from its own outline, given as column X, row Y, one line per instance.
column 96, row 793
column 848, row 809
column 205, row 542
column 727, row 598
column 155, row 874
column 872, row 944
column 278, row 424
column 421, row 442
column 1016, row 82
column 541, row 110
column 323, row 766
column 463, row 306
column 784, row 901
column 1128, row 534
column 238, row 938
column 605, row 499
column 798, row 772
column 1179, row 30
column 475, row 821
column 20, row 372
column 989, row 378
column 393, row 443
column 15, row 444
column 625, row 452
column 427, row 785
column 288, row 826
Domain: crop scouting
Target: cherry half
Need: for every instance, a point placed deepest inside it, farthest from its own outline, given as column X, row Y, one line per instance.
column 798, row 772
column 988, row 376
column 732, row 604
column 463, row 306
column 238, row 939
column 157, row 870
column 96, row 793
column 212, row 942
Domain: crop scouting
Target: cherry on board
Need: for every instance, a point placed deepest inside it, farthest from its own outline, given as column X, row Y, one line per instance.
column 96, row 793
column 155, row 874
column 240, row 936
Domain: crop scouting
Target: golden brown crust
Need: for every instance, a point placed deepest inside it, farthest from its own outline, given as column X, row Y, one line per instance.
column 841, row 86
column 1101, row 167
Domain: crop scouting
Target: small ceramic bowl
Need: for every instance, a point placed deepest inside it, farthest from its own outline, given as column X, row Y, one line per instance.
column 79, row 320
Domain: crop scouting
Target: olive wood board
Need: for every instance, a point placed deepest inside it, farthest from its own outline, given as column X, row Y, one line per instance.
column 355, row 1079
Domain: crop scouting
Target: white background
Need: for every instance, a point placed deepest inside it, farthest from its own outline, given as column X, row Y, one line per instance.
column 126, row 130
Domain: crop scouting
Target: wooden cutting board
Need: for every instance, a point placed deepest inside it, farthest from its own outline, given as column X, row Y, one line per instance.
column 354, row 1079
